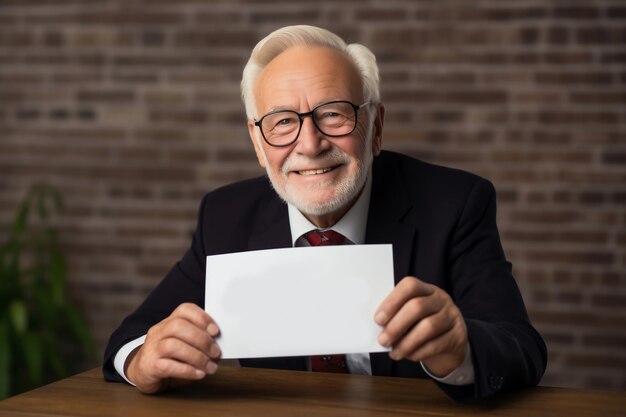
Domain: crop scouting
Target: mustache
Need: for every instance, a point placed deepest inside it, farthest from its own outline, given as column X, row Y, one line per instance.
column 334, row 156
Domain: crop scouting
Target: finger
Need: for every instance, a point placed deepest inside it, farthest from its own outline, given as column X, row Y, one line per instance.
column 180, row 351
column 409, row 316
column 194, row 314
column 422, row 334
column 407, row 288
column 187, row 332
column 170, row 368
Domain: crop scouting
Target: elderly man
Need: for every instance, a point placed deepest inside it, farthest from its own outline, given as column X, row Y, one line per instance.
column 316, row 123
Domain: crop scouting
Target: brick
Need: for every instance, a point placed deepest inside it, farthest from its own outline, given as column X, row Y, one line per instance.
column 572, row 257
column 616, row 12
column 11, row 79
column 558, row 35
column 107, row 17
column 134, row 78
column 16, row 39
column 578, row 319
column 618, row 197
column 82, row 77
column 601, row 35
column 578, row 118
column 502, row 14
column 546, row 137
column 592, row 197
column 608, row 300
column 560, row 276
column 596, row 361
column 301, row 15
column 445, row 78
column 608, row 97
column 232, row 155
column 219, row 17
column 543, row 156
column 190, row 156
column 577, row 12
column 558, row 338
column 179, row 116
column 379, row 14
column 569, row 297
column 152, row 38
column 613, row 57
column 458, row 96
column 602, row 78
column 569, row 57
column 616, row 341
column 614, row 158
column 54, row 39
column 161, row 135
column 547, row 236
column 197, row 39
column 106, row 96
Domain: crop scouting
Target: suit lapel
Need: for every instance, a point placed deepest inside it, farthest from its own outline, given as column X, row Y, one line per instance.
column 388, row 222
column 272, row 228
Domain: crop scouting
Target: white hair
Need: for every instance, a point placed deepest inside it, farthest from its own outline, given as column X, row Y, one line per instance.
column 301, row 35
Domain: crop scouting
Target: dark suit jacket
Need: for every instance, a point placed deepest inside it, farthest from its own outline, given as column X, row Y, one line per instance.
column 442, row 225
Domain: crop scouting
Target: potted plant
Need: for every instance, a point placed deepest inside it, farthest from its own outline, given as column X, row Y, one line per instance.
column 42, row 335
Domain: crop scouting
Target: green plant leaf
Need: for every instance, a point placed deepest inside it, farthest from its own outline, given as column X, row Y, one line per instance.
column 34, row 358
column 18, row 316
column 57, row 277
column 53, row 356
column 41, row 334
column 5, row 360
column 19, row 225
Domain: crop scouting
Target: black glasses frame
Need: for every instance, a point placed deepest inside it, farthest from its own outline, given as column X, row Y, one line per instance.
column 311, row 114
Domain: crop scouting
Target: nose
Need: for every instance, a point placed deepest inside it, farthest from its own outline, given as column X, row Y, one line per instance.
column 311, row 141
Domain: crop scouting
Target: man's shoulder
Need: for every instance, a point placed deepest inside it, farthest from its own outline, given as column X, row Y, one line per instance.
column 397, row 166
column 249, row 189
column 242, row 198
column 238, row 208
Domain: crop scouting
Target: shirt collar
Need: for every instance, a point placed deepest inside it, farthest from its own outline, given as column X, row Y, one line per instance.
column 352, row 225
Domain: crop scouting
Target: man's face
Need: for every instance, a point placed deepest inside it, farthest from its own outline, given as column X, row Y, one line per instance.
column 322, row 176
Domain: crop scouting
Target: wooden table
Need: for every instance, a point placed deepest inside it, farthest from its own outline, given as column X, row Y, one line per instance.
column 245, row 392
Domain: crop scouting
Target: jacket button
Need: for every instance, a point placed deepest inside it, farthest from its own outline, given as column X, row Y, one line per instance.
column 496, row 382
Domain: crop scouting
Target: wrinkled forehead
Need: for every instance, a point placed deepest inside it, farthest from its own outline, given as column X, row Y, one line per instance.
column 309, row 73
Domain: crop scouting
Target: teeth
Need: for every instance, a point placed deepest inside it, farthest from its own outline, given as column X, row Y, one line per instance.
column 314, row 171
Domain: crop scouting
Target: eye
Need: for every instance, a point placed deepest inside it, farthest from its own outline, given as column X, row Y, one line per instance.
column 330, row 114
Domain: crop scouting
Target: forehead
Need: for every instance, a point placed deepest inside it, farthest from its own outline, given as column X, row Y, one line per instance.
column 304, row 76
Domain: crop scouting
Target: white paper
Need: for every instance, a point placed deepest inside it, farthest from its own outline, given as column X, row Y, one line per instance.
column 298, row 301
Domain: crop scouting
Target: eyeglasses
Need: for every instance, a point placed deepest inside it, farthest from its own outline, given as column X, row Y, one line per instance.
column 336, row 118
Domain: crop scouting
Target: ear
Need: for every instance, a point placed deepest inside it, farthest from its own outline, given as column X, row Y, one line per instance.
column 377, row 139
column 252, row 131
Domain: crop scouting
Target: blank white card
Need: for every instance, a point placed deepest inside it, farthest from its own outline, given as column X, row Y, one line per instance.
column 298, row 301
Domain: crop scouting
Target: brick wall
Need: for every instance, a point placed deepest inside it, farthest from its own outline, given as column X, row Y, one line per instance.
column 131, row 109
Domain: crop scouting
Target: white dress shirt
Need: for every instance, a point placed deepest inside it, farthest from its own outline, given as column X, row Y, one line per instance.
column 352, row 225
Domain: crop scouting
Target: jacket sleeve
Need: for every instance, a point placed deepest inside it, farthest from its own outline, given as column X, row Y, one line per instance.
column 507, row 351
column 184, row 283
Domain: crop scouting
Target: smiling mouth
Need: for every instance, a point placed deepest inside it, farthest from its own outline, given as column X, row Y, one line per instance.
column 316, row 171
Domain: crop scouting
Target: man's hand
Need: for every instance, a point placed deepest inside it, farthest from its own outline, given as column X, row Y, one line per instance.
column 421, row 323
column 177, row 350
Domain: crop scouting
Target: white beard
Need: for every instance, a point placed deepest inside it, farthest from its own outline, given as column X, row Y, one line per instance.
column 346, row 190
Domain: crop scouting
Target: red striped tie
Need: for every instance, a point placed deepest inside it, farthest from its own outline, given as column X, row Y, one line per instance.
column 327, row 363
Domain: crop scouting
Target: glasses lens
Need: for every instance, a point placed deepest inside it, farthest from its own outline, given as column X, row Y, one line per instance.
column 281, row 127
column 335, row 119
